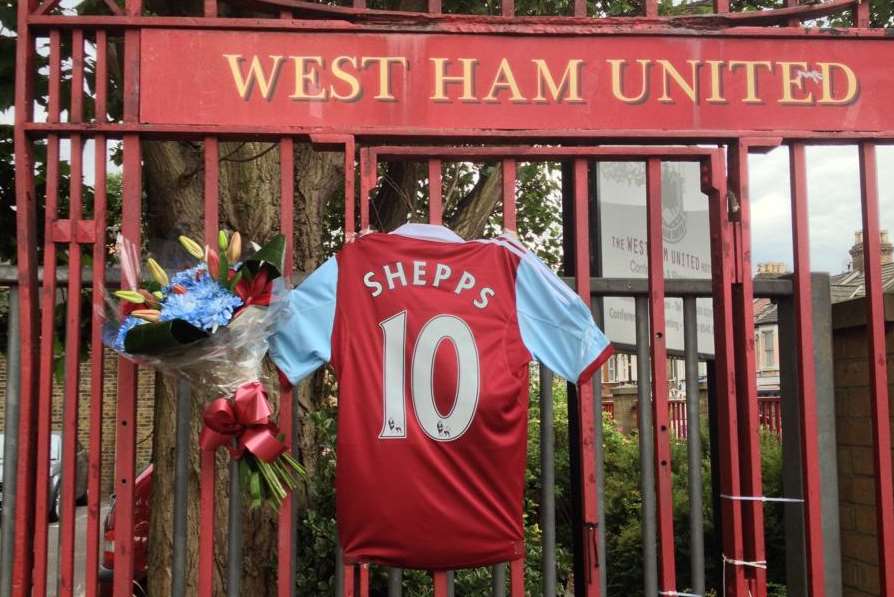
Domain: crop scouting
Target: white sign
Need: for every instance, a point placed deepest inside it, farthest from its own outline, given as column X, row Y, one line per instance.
column 621, row 192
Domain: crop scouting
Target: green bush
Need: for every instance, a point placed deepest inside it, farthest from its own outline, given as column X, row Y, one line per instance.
column 622, row 502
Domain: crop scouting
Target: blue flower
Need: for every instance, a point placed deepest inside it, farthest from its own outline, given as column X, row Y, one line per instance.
column 205, row 303
column 117, row 339
column 188, row 278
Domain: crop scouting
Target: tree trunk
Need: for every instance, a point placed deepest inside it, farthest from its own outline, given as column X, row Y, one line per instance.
column 248, row 202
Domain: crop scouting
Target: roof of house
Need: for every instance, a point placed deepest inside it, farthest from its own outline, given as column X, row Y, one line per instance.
column 852, row 284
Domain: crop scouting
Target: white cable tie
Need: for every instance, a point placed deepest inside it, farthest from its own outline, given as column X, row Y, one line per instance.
column 679, row 594
column 762, row 564
column 761, row 498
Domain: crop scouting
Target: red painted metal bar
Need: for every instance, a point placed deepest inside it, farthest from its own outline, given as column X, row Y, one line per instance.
column 364, row 580
column 580, row 8
column 435, row 206
column 441, row 584
column 350, row 579
column 794, row 21
column 125, row 463
column 651, row 8
column 459, row 135
column 534, row 153
column 359, row 3
column 287, row 202
column 509, row 212
column 862, row 15
column 72, row 329
column 97, row 361
column 722, row 267
column 746, row 380
column 586, row 416
column 350, row 194
column 878, row 373
column 721, row 6
column 748, row 23
column 286, row 530
column 507, row 8
column 667, row 580
column 367, row 182
column 207, row 472
column 210, row 8
column 26, row 252
column 806, row 372
column 48, row 305
column 517, row 578
column 434, row 6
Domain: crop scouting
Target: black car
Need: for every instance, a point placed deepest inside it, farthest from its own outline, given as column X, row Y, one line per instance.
column 56, row 474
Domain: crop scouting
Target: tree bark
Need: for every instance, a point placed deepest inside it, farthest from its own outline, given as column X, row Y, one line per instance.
column 248, row 202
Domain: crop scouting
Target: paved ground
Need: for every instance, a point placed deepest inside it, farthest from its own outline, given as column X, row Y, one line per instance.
column 80, row 559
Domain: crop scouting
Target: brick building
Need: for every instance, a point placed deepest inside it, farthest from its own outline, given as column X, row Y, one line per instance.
column 145, row 398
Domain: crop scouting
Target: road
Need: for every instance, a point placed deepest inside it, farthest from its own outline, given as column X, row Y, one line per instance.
column 80, row 556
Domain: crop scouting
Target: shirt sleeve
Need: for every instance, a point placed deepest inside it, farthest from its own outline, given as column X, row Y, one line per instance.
column 556, row 326
column 302, row 341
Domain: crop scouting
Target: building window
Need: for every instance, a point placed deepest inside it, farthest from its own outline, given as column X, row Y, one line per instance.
column 769, row 349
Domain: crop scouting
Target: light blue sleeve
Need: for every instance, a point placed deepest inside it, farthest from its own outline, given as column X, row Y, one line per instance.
column 556, row 326
column 302, row 342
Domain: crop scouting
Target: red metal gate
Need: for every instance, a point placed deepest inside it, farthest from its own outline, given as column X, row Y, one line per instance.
column 725, row 180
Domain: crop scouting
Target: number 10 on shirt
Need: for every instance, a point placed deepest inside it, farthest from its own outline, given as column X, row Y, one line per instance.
column 442, row 428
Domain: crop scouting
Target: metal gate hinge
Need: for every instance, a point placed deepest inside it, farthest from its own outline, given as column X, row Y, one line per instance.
column 733, row 206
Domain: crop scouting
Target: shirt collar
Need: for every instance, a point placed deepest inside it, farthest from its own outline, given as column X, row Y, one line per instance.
column 428, row 232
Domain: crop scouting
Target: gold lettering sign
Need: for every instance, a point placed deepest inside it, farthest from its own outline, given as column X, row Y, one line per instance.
column 538, row 81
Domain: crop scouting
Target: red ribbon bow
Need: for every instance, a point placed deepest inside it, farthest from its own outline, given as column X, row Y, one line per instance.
column 245, row 417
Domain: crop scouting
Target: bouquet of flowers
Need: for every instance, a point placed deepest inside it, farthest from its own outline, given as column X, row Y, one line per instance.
column 210, row 324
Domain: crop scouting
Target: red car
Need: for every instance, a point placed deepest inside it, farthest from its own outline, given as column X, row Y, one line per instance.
column 142, row 491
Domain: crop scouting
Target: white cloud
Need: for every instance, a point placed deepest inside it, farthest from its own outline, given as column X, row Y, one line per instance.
column 833, row 189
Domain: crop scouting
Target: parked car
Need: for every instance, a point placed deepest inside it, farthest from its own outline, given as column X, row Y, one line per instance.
column 55, row 494
column 142, row 492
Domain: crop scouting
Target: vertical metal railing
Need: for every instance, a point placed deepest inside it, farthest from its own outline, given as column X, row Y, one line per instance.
column 182, row 449
column 658, row 342
column 878, row 372
column 132, row 191
column 806, row 371
column 649, row 525
column 10, row 443
column 97, row 362
column 749, row 421
column 694, row 446
column 207, row 458
column 548, row 484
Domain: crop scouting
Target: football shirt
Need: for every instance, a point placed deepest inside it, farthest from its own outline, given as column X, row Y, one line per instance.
column 430, row 338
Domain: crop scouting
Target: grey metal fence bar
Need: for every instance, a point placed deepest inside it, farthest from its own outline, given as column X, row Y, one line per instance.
column 646, row 448
column 694, row 446
column 395, row 577
column 498, row 581
column 339, row 571
column 548, row 483
column 181, row 491
column 10, row 444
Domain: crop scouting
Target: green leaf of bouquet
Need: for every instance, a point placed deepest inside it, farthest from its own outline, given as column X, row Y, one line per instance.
column 270, row 256
column 152, row 286
column 157, row 338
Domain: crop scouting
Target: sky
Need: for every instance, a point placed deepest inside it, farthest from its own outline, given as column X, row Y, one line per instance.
column 833, row 190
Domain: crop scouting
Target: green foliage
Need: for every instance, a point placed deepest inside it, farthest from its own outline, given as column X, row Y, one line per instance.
column 622, row 502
